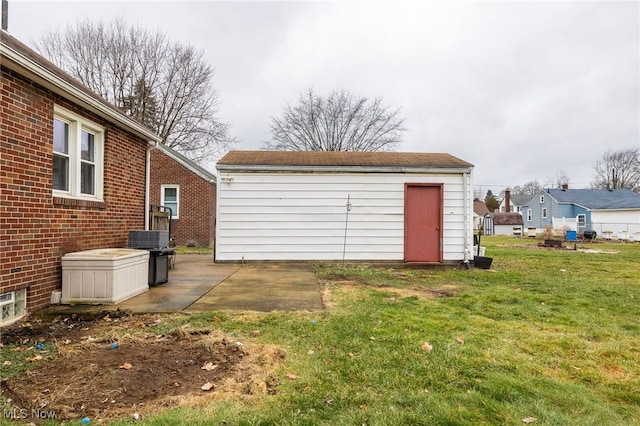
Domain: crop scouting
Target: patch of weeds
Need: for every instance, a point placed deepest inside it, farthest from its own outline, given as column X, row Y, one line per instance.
column 17, row 358
column 193, row 250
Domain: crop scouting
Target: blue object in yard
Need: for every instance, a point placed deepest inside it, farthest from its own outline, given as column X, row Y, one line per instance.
column 572, row 236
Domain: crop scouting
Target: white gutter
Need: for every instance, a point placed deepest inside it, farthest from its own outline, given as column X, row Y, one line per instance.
column 465, row 196
column 147, row 184
column 339, row 169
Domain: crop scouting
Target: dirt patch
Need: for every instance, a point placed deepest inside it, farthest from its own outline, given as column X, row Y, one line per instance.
column 422, row 293
column 135, row 374
column 565, row 247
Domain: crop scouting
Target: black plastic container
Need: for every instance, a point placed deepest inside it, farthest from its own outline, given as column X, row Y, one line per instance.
column 482, row 262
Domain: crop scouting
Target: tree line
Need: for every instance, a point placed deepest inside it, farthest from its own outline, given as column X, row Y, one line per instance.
column 168, row 87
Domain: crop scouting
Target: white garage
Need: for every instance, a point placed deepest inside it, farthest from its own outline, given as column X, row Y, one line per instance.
column 334, row 206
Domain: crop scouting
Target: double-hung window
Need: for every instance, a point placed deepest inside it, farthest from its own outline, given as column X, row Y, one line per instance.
column 544, row 213
column 170, row 197
column 582, row 220
column 78, row 151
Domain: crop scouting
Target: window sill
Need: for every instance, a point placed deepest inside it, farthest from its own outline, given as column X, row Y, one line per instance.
column 78, row 202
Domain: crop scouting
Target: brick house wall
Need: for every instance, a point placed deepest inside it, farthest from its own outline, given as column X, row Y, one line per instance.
column 36, row 228
column 197, row 200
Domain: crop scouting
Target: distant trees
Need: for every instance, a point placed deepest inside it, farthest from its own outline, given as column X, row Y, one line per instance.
column 338, row 122
column 559, row 180
column 530, row 188
column 491, row 201
column 618, row 170
column 165, row 85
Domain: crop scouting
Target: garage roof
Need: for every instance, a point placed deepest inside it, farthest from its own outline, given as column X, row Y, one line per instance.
column 398, row 161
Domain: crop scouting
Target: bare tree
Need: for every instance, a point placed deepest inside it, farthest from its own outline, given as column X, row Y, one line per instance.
column 531, row 188
column 339, row 122
column 559, row 180
column 618, row 170
column 164, row 85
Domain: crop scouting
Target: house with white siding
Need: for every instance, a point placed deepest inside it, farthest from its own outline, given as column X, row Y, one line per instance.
column 334, row 206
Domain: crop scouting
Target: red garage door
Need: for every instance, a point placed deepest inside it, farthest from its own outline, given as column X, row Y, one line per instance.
column 423, row 223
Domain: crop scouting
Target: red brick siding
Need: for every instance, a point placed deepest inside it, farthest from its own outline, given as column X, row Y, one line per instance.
column 37, row 229
column 197, row 200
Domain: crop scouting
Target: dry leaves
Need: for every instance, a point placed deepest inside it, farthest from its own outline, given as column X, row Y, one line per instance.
column 33, row 358
column 460, row 340
column 529, row 420
column 291, row 376
column 426, row 347
column 207, row 386
column 209, row 366
column 126, row 366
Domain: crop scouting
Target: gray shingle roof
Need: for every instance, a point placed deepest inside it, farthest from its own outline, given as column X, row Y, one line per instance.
column 598, row 199
column 521, row 199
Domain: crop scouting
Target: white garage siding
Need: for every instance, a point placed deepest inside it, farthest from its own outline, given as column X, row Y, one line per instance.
column 302, row 216
column 616, row 220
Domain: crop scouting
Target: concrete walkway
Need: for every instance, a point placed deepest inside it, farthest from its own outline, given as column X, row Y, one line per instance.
column 264, row 287
column 196, row 284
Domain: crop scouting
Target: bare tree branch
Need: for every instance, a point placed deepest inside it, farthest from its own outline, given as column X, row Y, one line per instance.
column 618, row 170
column 340, row 122
column 164, row 85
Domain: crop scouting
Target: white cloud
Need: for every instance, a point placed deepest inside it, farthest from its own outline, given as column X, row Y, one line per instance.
column 521, row 89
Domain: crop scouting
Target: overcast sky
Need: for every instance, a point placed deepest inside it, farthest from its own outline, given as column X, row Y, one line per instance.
column 523, row 90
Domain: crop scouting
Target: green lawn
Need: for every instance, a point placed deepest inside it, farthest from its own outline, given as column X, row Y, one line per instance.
column 550, row 335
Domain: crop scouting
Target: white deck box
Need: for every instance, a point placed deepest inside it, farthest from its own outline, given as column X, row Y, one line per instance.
column 104, row 276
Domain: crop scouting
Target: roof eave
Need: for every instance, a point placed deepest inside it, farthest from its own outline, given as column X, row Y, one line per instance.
column 34, row 71
column 209, row 177
column 340, row 169
column 616, row 209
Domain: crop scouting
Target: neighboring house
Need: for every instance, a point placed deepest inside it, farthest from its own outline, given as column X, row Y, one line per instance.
column 189, row 190
column 504, row 224
column 73, row 175
column 584, row 209
column 356, row 206
column 516, row 202
column 480, row 210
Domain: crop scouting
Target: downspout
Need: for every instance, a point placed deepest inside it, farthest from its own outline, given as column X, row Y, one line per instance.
column 147, row 185
column 465, row 192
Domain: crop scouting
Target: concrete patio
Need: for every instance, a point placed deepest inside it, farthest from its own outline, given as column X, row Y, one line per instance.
column 196, row 284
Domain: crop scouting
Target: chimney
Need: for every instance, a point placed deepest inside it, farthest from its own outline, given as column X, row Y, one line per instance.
column 507, row 201
column 565, row 186
column 5, row 14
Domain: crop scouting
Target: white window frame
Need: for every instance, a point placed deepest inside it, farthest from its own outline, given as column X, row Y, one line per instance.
column 582, row 223
column 16, row 303
column 542, row 199
column 543, row 213
column 529, row 215
column 174, row 214
column 77, row 125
